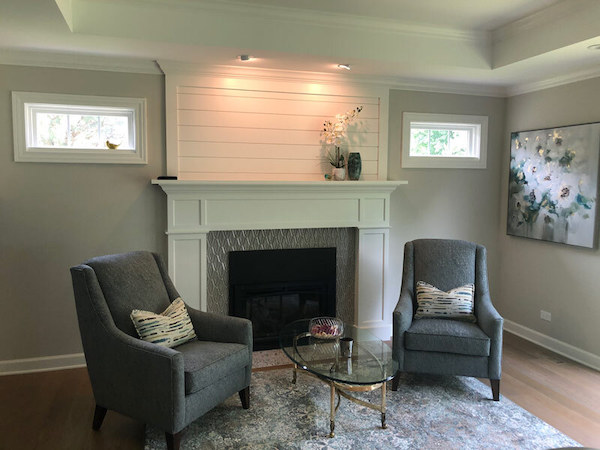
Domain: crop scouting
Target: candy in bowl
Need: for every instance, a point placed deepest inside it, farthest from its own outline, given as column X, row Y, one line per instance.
column 326, row 327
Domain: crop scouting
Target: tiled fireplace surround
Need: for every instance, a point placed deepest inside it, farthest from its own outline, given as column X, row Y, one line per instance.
column 207, row 219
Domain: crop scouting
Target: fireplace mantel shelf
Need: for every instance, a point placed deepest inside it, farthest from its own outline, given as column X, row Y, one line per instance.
column 287, row 186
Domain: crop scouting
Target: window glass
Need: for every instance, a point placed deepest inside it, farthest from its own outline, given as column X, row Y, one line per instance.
column 440, row 142
column 58, row 129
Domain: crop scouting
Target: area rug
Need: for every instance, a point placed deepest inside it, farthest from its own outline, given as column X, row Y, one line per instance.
column 426, row 412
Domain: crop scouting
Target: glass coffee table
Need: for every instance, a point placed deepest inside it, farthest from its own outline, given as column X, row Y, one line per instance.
column 367, row 369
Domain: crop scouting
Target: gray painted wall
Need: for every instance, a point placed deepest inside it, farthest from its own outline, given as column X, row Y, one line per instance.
column 444, row 203
column 535, row 275
column 53, row 216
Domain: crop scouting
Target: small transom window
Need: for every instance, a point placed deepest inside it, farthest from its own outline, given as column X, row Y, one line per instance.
column 70, row 128
column 443, row 141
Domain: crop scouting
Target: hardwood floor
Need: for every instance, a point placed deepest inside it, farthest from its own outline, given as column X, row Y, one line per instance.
column 54, row 410
column 559, row 391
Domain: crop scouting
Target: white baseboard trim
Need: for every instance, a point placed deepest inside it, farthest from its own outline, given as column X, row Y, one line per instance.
column 562, row 348
column 42, row 364
column 382, row 331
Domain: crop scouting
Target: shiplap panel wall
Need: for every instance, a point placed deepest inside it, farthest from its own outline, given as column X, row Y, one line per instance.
column 228, row 133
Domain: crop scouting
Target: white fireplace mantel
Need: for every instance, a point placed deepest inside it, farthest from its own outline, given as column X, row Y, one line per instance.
column 196, row 208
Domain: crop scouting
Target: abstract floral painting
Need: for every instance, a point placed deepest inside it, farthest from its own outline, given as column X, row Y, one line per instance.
column 553, row 184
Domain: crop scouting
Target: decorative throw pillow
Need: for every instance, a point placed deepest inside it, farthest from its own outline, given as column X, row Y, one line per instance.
column 455, row 304
column 169, row 328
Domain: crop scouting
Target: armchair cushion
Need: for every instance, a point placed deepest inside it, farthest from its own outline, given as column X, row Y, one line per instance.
column 447, row 336
column 169, row 328
column 206, row 362
column 434, row 303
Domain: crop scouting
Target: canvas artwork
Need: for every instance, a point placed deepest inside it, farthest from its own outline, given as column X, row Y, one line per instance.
column 553, row 184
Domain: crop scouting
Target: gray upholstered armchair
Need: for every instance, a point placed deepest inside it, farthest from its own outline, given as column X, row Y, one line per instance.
column 165, row 387
column 443, row 346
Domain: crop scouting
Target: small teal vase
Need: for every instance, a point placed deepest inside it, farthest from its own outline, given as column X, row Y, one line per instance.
column 354, row 166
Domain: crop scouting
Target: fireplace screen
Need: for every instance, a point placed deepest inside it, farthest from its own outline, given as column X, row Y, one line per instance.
column 275, row 287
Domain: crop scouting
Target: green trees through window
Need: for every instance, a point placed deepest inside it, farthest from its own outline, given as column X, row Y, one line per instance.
column 81, row 131
column 438, row 142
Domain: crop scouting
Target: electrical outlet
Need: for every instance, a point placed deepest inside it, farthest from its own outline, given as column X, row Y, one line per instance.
column 545, row 315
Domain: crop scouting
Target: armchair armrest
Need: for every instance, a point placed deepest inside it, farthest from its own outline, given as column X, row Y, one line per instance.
column 220, row 328
column 138, row 378
column 490, row 321
column 402, row 319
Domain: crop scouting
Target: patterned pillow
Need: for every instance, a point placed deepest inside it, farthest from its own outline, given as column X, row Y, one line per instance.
column 435, row 304
column 169, row 328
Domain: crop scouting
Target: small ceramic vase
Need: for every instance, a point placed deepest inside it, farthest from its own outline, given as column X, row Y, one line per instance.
column 339, row 173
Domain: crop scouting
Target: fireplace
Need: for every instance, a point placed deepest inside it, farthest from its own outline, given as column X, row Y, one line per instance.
column 197, row 210
column 275, row 287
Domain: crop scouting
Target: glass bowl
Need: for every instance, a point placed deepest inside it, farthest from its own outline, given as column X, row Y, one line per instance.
column 326, row 327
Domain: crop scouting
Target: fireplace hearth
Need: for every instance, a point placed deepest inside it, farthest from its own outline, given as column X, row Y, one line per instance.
column 275, row 287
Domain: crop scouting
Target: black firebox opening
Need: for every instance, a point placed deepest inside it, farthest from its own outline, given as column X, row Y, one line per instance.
column 275, row 287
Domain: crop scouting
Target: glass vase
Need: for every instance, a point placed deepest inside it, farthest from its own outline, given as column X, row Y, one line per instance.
column 354, row 166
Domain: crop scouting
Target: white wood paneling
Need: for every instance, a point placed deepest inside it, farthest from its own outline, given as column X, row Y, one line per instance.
column 254, row 150
column 257, row 165
column 186, row 213
column 271, row 93
column 284, row 212
column 253, row 128
column 264, row 104
column 273, row 176
column 235, row 135
column 373, row 250
column 187, row 269
column 264, row 120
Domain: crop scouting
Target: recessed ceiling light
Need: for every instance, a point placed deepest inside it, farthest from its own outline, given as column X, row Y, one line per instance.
column 245, row 57
column 344, row 66
column 594, row 47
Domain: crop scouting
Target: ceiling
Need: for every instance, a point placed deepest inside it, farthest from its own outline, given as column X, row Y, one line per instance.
column 488, row 46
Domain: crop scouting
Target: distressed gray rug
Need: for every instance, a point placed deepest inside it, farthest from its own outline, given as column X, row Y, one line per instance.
column 426, row 412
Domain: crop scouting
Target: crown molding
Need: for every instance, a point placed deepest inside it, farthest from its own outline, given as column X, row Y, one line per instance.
column 553, row 82
column 77, row 61
column 322, row 18
column 195, row 70
column 550, row 15
column 443, row 87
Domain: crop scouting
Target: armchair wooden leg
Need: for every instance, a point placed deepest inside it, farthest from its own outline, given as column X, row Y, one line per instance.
column 174, row 440
column 99, row 415
column 396, row 381
column 245, row 397
column 495, row 389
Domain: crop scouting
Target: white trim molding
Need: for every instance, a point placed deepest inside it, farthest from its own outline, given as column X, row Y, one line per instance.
column 548, row 83
column 26, row 149
column 562, row 348
column 78, row 61
column 42, row 364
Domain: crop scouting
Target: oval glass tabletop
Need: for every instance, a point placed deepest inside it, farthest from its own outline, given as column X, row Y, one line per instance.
column 371, row 361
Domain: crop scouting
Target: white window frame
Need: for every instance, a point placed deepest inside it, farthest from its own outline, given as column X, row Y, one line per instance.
column 26, row 104
column 476, row 125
